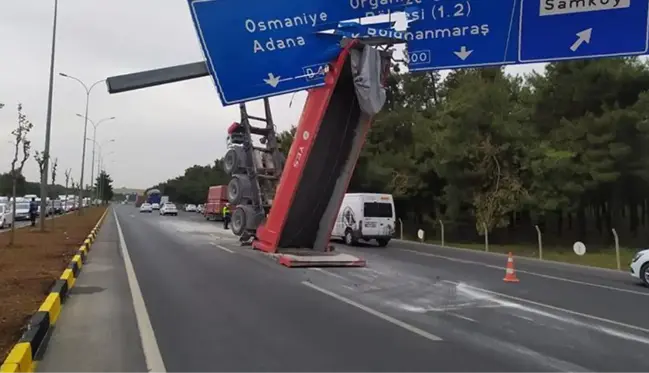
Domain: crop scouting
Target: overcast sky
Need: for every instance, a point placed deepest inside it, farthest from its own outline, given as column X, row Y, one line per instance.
column 158, row 132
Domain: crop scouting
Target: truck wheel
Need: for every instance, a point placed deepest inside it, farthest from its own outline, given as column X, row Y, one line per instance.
column 383, row 242
column 350, row 240
column 242, row 219
column 644, row 274
column 239, row 189
column 234, row 160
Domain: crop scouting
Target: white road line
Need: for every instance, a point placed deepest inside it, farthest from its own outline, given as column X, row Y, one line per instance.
column 461, row 317
column 641, row 293
column 222, row 247
column 524, row 318
column 390, row 319
column 152, row 354
column 559, row 309
column 330, row 273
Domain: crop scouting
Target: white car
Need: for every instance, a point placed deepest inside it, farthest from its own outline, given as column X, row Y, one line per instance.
column 155, row 206
column 146, row 207
column 5, row 216
column 168, row 209
column 640, row 266
column 22, row 210
column 190, row 208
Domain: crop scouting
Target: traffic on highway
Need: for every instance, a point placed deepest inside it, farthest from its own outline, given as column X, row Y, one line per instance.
column 402, row 186
column 211, row 304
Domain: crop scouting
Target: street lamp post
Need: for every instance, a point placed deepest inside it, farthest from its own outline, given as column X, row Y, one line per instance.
column 48, row 123
column 101, row 150
column 94, row 143
column 85, row 132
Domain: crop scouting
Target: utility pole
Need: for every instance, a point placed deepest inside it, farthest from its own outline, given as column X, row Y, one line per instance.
column 48, row 124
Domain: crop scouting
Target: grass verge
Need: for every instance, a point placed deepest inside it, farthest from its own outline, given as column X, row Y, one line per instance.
column 29, row 268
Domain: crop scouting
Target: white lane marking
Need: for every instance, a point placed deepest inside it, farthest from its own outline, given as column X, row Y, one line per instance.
column 645, row 294
column 559, row 309
column 461, row 317
column 152, row 355
column 329, row 273
column 390, row 319
column 524, row 318
column 222, row 247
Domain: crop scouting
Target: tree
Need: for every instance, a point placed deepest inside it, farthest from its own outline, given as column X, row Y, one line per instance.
column 192, row 187
column 566, row 149
column 285, row 140
column 55, row 164
column 74, row 192
column 67, row 192
column 40, row 158
column 104, row 185
column 6, row 184
column 20, row 141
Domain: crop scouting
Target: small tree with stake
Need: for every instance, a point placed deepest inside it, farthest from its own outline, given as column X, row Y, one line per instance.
column 74, row 191
column 67, row 180
column 20, row 141
column 41, row 160
column 55, row 164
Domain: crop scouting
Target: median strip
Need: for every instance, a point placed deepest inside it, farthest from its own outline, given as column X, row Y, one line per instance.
column 23, row 355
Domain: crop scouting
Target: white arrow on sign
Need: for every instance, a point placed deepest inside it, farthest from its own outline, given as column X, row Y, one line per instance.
column 582, row 37
column 272, row 80
column 463, row 54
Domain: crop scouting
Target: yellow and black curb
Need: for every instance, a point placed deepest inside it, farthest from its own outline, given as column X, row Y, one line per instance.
column 22, row 356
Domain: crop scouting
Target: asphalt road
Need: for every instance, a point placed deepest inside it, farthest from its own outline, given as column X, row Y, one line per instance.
column 213, row 305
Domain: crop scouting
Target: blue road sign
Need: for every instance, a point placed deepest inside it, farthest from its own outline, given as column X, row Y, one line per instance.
column 571, row 29
column 447, row 34
column 263, row 48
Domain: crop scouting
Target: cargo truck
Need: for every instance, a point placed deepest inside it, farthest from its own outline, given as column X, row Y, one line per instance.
column 217, row 198
column 153, row 196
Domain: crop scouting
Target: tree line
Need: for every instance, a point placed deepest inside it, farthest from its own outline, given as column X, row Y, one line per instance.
column 14, row 184
column 566, row 149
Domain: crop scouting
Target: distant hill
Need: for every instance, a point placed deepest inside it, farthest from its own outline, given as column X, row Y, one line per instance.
column 125, row 190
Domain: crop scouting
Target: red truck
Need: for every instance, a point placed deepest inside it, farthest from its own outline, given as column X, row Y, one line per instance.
column 217, row 198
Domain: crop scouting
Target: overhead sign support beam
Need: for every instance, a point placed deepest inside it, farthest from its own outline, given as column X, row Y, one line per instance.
column 152, row 78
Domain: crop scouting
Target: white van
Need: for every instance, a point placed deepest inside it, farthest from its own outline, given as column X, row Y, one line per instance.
column 365, row 216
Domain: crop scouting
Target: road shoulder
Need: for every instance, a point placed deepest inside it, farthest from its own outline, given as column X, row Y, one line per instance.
column 98, row 332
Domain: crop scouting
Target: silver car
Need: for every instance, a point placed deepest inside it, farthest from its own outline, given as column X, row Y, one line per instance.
column 22, row 211
column 5, row 216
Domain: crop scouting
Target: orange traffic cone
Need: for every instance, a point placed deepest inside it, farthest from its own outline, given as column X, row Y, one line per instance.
column 510, row 275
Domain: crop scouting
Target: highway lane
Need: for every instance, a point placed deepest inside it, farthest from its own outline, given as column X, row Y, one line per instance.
column 605, row 294
column 217, row 306
column 237, row 310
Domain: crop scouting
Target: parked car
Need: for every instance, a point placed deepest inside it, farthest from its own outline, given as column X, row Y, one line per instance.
column 146, row 207
column 640, row 266
column 168, row 209
column 22, row 211
column 5, row 216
